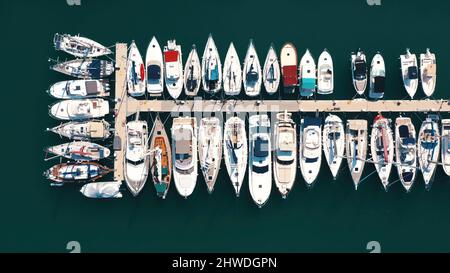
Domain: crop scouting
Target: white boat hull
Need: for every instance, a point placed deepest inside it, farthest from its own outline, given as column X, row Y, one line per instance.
column 325, row 72
column 232, row 73
column 271, row 72
column 154, row 67
column 251, row 72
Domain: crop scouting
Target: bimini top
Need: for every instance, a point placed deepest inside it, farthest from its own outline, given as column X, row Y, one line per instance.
column 360, row 69
column 171, row 56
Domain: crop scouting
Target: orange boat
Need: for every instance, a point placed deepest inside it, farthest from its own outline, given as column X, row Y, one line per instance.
column 160, row 159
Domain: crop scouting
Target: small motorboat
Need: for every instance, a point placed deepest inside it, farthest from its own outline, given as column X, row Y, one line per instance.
column 80, row 151
column 356, row 148
column 251, row 72
column 173, row 68
column 160, row 159
column 70, row 173
column 155, row 68
column 445, row 138
column 285, row 153
column 271, row 72
column 85, row 68
column 135, row 72
column 79, row 46
column 382, row 148
column 359, row 71
column 307, row 75
column 83, row 130
column 184, row 154
column 211, row 67
column 377, row 77
column 410, row 72
column 289, row 63
column 260, row 159
column 310, row 149
column 333, row 142
column 428, row 72
column 136, row 155
column 79, row 109
column 406, row 151
column 235, row 151
column 210, row 149
column 192, row 74
column 325, row 74
column 428, row 147
column 79, row 89
column 100, row 190
column 232, row 73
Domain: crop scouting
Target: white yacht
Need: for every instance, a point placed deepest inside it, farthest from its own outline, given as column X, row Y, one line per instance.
column 85, row 68
column 173, row 68
column 377, row 77
column 135, row 72
column 211, row 68
column 356, row 148
column 80, row 151
column 79, row 109
column 271, row 72
column 406, row 151
column 184, row 154
column 136, row 156
column 285, row 153
column 310, row 149
column 445, row 138
column 251, row 72
column 428, row 72
column 154, row 65
column 79, row 89
column 78, row 46
column 382, row 148
column 410, row 72
column 307, row 75
column 232, row 73
column 260, row 165
column 210, row 149
column 333, row 142
column 359, row 71
column 235, row 151
column 428, row 148
column 325, row 74
column 192, row 73
column 83, row 130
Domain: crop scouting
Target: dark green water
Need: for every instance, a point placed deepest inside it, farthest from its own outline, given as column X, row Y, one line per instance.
column 331, row 217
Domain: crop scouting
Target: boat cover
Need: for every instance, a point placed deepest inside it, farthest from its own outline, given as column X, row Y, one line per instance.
column 379, row 84
column 308, row 83
column 91, row 87
column 171, row 56
column 290, row 75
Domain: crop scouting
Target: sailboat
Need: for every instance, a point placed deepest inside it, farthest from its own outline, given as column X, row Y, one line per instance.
column 79, row 89
column 102, row 190
column 211, row 67
column 289, row 63
column 359, row 71
column 69, row 173
column 155, row 68
column 83, row 130
column 406, row 151
column 377, row 77
column 307, row 75
column 184, row 154
column 271, row 72
column 85, row 68
column 445, row 137
column 310, row 149
column 428, row 72
column 325, row 71
column 78, row 46
column 79, row 109
column 356, row 148
column 210, row 149
column 192, row 73
column 136, row 155
column 135, row 72
column 235, row 151
column 428, row 147
column 382, row 148
column 80, row 151
column 173, row 68
column 251, row 76
column 285, row 153
column 410, row 72
column 160, row 159
column 333, row 142
column 232, row 73
column 260, row 165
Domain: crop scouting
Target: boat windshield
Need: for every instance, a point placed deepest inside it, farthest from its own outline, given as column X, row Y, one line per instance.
column 153, row 73
column 261, row 148
column 360, row 69
column 407, row 176
column 285, row 162
column 413, row 73
column 260, row 169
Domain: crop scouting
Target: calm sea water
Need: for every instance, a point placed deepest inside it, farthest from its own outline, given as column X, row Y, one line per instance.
column 331, row 217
